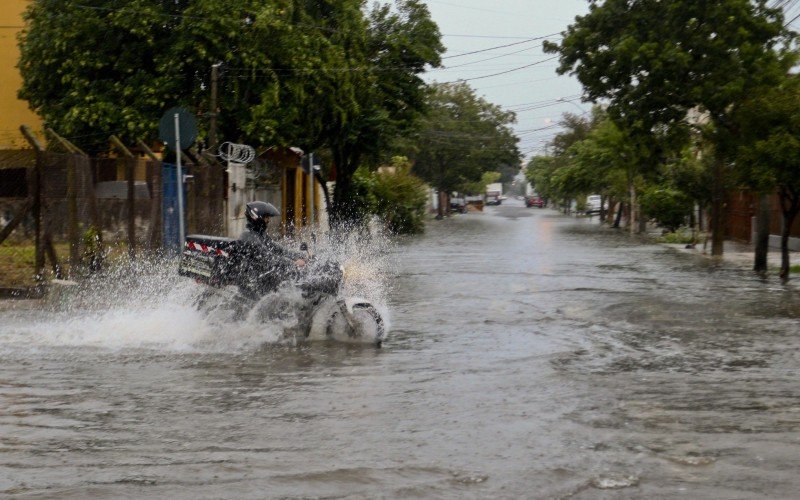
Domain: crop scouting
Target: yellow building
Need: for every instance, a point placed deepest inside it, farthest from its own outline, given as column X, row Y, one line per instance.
column 13, row 112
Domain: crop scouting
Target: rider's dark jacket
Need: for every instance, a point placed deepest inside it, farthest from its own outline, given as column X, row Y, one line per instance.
column 263, row 264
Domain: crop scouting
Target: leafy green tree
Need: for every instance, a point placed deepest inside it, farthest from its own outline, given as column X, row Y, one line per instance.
column 769, row 158
column 460, row 138
column 654, row 60
column 94, row 69
column 602, row 160
column 318, row 74
column 540, row 174
column 396, row 47
column 479, row 187
column 557, row 178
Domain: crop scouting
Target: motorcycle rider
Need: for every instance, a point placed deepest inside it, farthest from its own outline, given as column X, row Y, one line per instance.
column 264, row 263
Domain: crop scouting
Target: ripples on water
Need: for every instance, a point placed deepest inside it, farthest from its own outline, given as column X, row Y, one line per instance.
column 531, row 356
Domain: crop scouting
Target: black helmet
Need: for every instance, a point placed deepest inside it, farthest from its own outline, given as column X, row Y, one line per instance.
column 255, row 213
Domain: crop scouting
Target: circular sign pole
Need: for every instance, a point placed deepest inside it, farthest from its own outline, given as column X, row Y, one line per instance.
column 179, row 180
column 182, row 124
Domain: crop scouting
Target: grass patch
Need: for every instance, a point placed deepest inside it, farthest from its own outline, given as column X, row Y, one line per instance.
column 680, row 237
column 18, row 262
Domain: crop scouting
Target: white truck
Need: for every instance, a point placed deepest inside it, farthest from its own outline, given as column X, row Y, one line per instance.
column 494, row 193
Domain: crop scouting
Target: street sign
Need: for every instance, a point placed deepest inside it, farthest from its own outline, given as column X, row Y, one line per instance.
column 188, row 128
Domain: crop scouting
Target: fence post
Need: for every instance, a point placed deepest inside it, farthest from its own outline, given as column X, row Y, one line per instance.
column 156, row 193
column 217, row 191
column 36, row 191
column 131, row 202
column 72, row 213
column 72, row 200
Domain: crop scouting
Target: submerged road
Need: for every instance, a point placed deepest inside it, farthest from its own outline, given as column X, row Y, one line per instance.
column 531, row 356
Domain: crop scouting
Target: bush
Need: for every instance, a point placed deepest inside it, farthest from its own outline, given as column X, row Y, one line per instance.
column 363, row 192
column 682, row 237
column 669, row 207
column 400, row 198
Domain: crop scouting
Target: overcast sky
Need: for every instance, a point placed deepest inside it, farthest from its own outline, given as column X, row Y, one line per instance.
column 475, row 25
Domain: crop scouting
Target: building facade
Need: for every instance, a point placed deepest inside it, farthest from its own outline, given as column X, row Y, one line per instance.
column 13, row 111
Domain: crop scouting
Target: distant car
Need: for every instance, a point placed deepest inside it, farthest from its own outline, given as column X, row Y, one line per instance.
column 493, row 198
column 593, row 204
column 458, row 205
column 534, row 201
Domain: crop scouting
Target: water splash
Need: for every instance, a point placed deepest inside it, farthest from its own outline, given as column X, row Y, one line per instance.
column 146, row 305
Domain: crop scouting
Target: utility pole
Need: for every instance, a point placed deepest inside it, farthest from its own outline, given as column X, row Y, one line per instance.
column 212, row 125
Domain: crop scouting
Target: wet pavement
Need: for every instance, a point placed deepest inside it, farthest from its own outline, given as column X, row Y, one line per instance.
column 532, row 355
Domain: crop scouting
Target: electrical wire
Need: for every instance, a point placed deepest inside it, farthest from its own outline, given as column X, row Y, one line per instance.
column 504, row 72
column 501, row 46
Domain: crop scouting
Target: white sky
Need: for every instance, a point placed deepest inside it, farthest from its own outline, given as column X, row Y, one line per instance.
column 471, row 25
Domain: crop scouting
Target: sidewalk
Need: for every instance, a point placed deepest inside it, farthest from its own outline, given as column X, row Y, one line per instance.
column 741, row 255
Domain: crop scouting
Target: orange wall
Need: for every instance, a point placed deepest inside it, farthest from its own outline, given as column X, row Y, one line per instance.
column 13, row 112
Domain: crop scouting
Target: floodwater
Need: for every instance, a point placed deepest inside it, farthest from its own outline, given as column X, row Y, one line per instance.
column 531, row 356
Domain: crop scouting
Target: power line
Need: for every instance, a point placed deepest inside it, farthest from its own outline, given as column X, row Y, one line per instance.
column 504, row 72
column 499, row 37
column 502, row 46
column 493, row 58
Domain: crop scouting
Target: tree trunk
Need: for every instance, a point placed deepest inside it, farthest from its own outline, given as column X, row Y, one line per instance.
column 642, row 222
column 701, row 225
column 342, row 214
column 342, row 194
column 717, row 207
column 602, row 209
column 618, row 219
column 790, row 206
column 762, row 234
column 632, row 207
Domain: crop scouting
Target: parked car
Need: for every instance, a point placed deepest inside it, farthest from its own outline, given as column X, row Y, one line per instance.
column 593, row 204
column 458, row 205
column 534, row 201
column 493, row 198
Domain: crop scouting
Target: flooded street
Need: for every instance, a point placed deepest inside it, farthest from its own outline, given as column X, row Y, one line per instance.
column 530, row 355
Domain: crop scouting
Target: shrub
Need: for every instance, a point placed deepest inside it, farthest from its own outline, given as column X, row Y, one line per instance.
column 669, row 207
column 400, row 197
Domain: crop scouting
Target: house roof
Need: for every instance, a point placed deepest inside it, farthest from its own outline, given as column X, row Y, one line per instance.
column 17, row 158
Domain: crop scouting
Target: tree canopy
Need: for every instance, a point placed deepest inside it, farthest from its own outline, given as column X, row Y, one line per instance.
column 654, row 60
column 769, row 157
column 321, row 74
column 461, row 137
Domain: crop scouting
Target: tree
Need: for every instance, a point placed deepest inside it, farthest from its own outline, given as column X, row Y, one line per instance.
column 461, row 137
column 769, row 158
column 321, row 74
column 94, row 69
column 604, row 161
column 540, row 173
column 555, row 177
column 396, row 47
column 655, row 60
column 479, row 187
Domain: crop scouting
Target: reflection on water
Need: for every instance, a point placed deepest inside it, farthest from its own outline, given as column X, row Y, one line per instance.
column 531, row 355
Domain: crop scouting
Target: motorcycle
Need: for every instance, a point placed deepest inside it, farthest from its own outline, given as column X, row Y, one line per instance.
column 321, row 312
